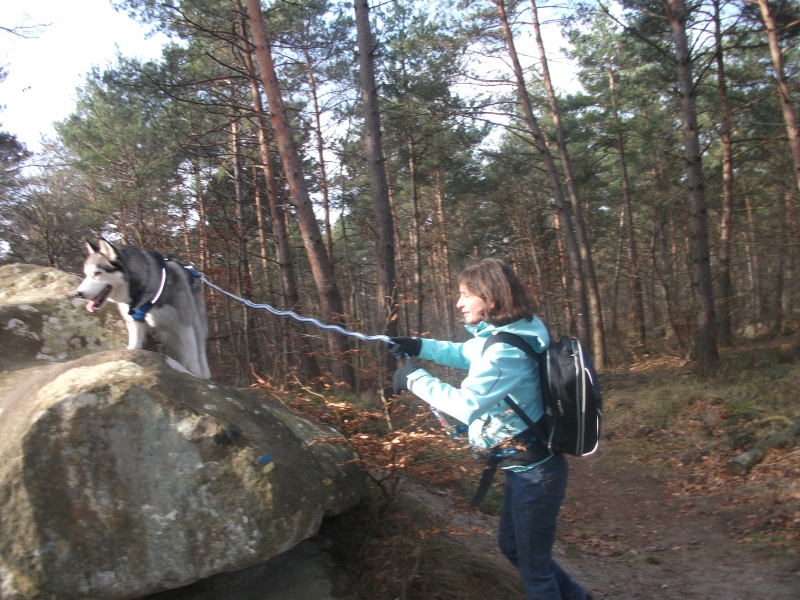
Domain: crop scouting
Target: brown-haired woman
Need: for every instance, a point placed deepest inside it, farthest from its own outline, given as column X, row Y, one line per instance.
column 492, row 299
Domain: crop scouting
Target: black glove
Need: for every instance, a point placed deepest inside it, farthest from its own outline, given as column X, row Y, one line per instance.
column 400, row 379
column 405, row 345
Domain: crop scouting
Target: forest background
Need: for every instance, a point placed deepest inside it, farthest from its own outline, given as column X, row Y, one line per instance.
column 346, row 160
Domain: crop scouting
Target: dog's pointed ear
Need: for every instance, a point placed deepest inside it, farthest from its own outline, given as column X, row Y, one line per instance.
column 107, row 249
column 91, row 247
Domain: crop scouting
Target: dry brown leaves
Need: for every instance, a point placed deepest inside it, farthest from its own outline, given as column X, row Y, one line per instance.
column 764, row 506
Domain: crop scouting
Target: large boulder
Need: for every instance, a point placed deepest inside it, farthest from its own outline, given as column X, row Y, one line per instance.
column 121, row 474
column 41, row 320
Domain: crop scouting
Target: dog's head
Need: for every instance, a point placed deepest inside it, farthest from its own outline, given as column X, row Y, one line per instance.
column 104, row 276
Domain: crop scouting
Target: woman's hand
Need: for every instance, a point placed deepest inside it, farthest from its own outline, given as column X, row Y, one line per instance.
column 400, row 379
column 408, row 346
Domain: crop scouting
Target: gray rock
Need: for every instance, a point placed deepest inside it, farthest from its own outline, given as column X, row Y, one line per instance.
column 306, row 572
column 42, row 321
column 122, row 475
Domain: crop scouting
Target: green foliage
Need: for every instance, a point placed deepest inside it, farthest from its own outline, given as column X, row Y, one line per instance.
column 12, row 157
column 122, row 148
column 752, row 395
column 148, row 156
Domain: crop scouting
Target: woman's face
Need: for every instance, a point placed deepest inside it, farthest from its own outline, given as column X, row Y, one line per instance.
column 472, row 307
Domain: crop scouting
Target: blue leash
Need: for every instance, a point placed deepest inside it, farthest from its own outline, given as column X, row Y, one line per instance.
column 293, row 315
column 288, row 313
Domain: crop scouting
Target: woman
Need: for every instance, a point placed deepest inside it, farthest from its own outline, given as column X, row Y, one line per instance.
column 492, row 299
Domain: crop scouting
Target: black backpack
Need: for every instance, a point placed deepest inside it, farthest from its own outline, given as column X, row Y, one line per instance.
column 570, row 393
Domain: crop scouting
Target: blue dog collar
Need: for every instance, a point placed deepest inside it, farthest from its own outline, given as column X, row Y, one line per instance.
column 138, row 314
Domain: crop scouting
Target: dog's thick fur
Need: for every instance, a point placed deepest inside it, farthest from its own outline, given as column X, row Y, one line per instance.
column 128, row 275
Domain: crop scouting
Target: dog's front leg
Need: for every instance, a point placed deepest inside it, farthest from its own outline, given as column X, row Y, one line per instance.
column 137, row 331
column 137, row 334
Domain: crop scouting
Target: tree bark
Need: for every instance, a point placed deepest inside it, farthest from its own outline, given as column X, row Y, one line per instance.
column 582, row 235
column 784, row 201
column 753, row 258
column 414, row 235
column 323, row 176
column 321, row 266
column 612, row 312
column 789, row 295
column 633, row 256
column 787, row 109
column 379, row 188
column 744, row 462
column 260, row 224
column 705, row 334
column 283, row 249
column 445, row 276
column 244, row 281
column 578, row 283
column 725, row 326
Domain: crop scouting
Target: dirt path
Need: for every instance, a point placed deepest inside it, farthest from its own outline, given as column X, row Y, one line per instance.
column 640, row 541
column 625, row 536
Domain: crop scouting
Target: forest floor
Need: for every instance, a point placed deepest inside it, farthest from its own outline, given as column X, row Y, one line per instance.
column 653, row 514
column 629, row 532
column 637, row 533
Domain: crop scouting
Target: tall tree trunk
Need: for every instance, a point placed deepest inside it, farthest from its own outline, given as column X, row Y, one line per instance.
column 567, row 306
column 790, row 268
column 753, row 258
column 261, row 224
column 724, row 325
column 280, row 229
column 414, row 234
column 578, row 283
column 379, row 187
column 789, row 117
column 705, row 331
column 323, row 177
column 544, row 306
column 445, row 276
column 612, row 312
column 202, row 232
column 780, row 268
column 245, row 287
column 656, row 221
column 204, row 262
column 582, row 234
column 635, row 272
column 321, row 267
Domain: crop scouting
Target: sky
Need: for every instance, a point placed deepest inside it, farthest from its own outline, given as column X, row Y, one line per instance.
column 45, row 70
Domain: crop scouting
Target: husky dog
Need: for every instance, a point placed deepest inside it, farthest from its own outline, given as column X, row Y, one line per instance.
column 152, row 289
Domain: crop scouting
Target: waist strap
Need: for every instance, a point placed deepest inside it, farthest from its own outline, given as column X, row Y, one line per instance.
column 535, row 452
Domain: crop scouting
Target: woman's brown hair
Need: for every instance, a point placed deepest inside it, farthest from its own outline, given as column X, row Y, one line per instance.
column 496, row 283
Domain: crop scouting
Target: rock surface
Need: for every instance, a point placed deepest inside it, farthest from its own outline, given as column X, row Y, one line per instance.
column 122, row 475
column 306, row 572
column 42, row 321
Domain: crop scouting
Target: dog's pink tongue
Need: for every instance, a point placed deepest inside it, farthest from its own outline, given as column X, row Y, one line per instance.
column 90, row 306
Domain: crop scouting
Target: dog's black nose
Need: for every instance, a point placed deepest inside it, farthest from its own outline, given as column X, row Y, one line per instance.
column 79, row 294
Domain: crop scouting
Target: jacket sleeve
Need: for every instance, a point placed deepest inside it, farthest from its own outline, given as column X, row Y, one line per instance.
column 448, row 354
column 500, row 371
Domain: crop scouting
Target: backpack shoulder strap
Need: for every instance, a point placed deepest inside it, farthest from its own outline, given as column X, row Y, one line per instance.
column 536, row 428
column 514, row 340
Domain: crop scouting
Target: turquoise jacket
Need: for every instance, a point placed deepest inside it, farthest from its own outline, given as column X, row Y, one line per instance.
column 502, row 371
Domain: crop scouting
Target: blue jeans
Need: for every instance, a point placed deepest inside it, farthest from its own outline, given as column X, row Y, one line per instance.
column 531, row 503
